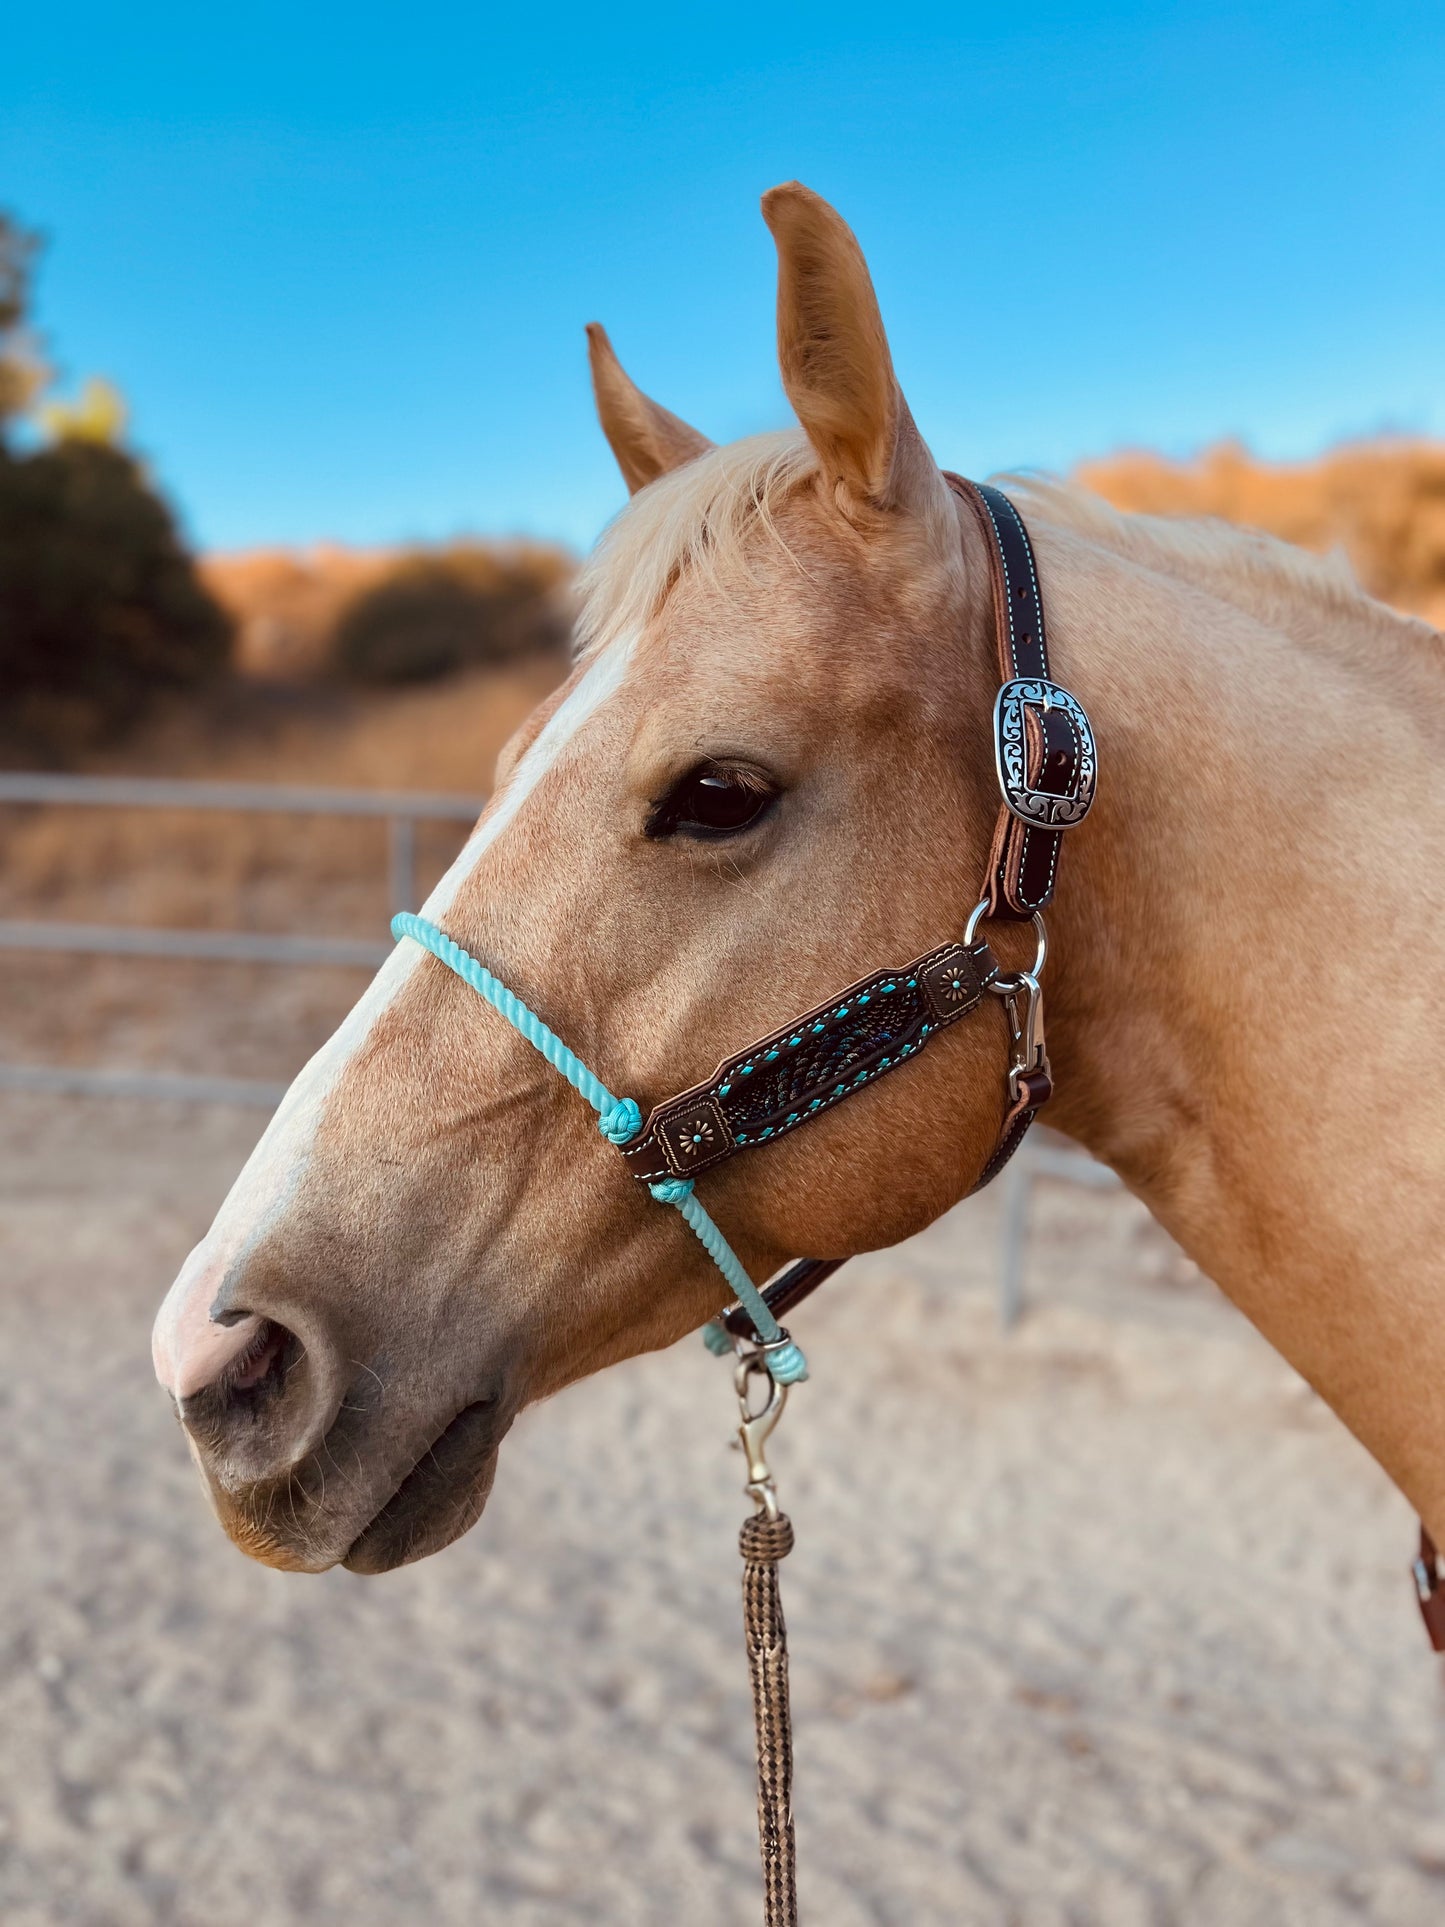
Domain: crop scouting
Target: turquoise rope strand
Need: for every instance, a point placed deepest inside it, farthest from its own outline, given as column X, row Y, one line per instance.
column 615, row 1113
column 785, row 1362
column 619, row 1119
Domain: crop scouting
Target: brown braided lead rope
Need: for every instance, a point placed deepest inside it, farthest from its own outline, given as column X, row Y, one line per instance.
column 763, row 1541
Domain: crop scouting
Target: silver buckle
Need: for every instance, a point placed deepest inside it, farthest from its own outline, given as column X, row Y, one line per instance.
column 1043, row 808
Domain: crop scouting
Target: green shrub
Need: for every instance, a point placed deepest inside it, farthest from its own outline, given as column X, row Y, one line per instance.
column 100, row 605
column 434, row 614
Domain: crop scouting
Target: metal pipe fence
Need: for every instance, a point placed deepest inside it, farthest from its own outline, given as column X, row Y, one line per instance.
column 1042, row 1155
column 400, row 810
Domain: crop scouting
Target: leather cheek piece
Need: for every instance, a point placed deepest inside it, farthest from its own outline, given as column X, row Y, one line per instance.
column 803, row 1069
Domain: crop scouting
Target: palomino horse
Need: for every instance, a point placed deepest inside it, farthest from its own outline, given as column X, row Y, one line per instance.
column 769, row 774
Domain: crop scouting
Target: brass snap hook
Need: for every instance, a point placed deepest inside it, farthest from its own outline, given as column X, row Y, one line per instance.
column 755, row 1426
column 1027, row 1052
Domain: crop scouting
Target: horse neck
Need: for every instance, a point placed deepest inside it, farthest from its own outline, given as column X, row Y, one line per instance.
column 1221, row 1031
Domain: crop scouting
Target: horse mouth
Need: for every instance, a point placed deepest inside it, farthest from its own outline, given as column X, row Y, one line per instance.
column 440, row 1498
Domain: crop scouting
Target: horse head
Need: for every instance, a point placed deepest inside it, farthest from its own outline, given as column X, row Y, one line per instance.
column 767, row 774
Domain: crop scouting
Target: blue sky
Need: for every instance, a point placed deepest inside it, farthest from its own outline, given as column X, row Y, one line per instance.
column 339, row 259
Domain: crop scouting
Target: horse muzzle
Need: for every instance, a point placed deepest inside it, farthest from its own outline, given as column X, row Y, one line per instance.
column 311, row 1462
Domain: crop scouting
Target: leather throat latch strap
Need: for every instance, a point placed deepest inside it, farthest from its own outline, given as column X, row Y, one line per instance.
column 1430, row 1588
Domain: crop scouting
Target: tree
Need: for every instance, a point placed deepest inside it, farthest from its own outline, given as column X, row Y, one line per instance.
column 101, row 606
column 22, row 373
column 456, row 608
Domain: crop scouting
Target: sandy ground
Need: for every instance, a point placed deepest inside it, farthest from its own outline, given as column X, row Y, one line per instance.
column 1102, row 1622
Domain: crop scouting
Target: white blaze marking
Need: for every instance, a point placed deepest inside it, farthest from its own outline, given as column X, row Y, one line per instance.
column 187, row 1349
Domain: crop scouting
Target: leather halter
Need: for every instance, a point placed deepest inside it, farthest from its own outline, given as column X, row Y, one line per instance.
column 1044, row 755
column 1046, row 765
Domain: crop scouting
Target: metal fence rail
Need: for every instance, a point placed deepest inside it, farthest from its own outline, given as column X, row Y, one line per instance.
column 207, row 946
column 1043, row 1154
column 59, row 1080
column 400, row 810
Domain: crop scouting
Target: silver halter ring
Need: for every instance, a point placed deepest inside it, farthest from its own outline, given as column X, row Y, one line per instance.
column 1011, row 986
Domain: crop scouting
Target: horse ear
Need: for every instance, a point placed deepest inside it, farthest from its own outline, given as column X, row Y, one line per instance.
column 646, row 439
column 836, row 367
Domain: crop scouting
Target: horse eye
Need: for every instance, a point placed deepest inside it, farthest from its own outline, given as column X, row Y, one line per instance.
column 712, row 801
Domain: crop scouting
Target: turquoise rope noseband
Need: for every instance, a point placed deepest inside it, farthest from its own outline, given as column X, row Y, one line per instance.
column 619, row 1119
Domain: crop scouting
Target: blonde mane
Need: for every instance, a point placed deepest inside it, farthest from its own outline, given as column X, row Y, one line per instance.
column 698, row 517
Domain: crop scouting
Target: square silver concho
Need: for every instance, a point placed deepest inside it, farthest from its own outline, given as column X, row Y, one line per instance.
column 694, row 1134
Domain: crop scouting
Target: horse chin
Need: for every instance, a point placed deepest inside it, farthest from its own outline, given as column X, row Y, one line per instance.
column 439, row 1499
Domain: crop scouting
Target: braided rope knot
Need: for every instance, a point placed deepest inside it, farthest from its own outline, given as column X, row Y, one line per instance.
column 622, row 1123
column 764, row 1541
column 786, row 1363
column 671, row 1190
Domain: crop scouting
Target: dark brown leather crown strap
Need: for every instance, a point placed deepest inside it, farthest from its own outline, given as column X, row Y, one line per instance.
column 1044, row 746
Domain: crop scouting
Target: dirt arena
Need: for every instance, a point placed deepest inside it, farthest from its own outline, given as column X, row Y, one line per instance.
column 1104, row 1622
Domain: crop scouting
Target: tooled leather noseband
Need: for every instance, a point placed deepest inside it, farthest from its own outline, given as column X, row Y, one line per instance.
column 1046, row 765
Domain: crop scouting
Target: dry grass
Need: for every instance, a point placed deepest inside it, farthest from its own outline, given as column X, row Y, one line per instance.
column 288, row 604
column 1383, row 503
column 261, row 872
column 238, row 872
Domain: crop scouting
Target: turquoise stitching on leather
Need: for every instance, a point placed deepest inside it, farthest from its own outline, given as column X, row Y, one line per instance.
column 619, row 1119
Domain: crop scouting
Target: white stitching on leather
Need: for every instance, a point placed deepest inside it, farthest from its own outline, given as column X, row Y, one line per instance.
column 1013, row 658
column 1008, row 600
column 1029, row 555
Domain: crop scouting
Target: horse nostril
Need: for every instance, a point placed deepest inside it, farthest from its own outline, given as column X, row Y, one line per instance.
column 260, row 1371
column 267, row 1408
